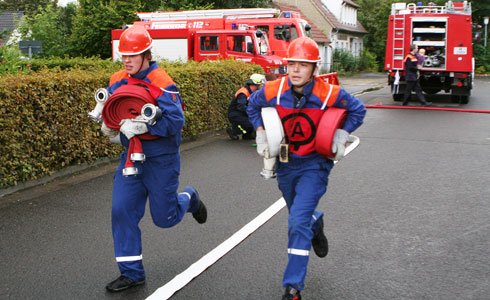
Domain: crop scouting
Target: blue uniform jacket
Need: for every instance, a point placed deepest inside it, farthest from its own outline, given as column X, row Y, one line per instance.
column 169, row 126
column 316, row 93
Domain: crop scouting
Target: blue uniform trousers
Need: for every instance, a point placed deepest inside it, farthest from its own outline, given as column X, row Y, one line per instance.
column 158, row 181
column 302, row 182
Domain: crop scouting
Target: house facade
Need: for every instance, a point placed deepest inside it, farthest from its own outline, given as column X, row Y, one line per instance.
column 316, row 33
column 337, row 19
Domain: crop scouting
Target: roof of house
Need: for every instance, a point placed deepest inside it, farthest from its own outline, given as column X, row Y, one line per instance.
column 351, row 3
column 336, row 23
column 316, row 34
column 8, row 22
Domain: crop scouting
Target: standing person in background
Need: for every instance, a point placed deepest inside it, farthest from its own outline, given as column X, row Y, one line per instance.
column 300, row 100
column 237, row 110
column 158, row 178
column 411, row 77
column 420, row 58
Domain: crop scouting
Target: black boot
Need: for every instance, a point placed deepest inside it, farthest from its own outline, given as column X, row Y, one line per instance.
column 122, row 283
column 320, row 242
column 201, row 215
column 291, row 294
column 196, row 207
column 231, row 134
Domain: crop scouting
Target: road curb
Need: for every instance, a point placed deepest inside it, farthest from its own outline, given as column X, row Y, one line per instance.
column 86, row 171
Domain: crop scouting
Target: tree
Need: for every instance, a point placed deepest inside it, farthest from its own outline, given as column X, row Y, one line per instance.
column 373, row 14
column 242, row 3
column 29, row 7
column 45, row 26
column 154, row 5
column 92, row 25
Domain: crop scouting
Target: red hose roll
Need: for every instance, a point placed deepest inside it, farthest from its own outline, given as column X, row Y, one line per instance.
column 126, row 103
column 332, row 119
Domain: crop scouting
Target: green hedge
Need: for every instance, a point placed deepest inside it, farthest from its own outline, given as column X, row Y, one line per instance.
column 44, row 123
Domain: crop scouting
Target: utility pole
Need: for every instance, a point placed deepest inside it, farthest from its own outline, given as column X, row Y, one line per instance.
column 485, row 21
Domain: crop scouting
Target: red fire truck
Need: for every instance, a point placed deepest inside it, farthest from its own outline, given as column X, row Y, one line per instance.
column 280, row 27
column 176, row 43
column 445, row 33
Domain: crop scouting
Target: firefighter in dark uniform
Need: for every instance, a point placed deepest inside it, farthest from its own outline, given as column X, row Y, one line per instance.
column 237, row 111
column 412, row 78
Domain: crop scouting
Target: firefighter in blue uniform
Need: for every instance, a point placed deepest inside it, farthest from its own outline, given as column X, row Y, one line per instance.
column 237, row 110
column 158, row 176
column 300, row 100
column 412, row 78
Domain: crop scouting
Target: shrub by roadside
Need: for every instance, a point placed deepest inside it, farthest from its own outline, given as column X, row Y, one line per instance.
column 44, row 120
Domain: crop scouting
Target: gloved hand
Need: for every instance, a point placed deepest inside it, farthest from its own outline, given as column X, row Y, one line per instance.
column 340, row 138
column 106, row 131
column 262, row 145
column 131, row 128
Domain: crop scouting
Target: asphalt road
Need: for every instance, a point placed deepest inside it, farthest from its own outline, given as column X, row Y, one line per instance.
column 407, row 217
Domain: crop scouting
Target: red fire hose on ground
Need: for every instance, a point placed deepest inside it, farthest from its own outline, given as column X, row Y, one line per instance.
column 383, row 106
column 126, row 103
column 332, row 78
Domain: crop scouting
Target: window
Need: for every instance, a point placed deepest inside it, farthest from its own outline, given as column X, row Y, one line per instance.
column 285, row 32
column 239, row 43
column 209, row 43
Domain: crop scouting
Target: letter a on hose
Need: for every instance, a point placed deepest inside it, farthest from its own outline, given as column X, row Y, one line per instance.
column 273, row 129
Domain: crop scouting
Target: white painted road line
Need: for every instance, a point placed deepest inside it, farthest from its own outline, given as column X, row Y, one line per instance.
column 207, row 260
column 181, row 280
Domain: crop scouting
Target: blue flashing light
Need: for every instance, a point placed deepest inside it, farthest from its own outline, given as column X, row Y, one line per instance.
column 287, row 14
column 234, row 26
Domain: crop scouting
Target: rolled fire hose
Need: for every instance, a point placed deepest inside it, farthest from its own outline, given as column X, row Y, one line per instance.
column 126, row 103
column 331, row 120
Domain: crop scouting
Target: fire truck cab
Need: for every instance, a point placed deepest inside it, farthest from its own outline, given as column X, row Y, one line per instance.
column 178, row 42
column 445, row 33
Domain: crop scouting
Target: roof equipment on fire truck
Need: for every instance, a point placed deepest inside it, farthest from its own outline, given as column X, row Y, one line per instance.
column 238, row 13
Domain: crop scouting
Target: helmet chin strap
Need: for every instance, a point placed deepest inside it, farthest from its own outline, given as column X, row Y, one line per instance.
column 142, row 62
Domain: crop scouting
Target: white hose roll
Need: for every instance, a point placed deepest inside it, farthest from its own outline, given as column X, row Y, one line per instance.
column 273, row 129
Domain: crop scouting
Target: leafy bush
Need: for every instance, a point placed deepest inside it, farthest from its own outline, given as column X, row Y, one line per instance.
column 44, row 121
column 11, row 60
column 368, row 62
column 89, row 64
column 482, row 58
column 344, row 61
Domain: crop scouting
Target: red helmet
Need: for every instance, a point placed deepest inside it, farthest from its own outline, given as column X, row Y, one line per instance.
column 134, row 40
column 303, row 49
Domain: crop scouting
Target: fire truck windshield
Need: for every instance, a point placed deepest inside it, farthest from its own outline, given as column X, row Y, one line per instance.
column 286, row 32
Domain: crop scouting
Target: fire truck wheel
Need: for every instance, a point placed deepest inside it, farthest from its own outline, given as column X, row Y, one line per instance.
column 431, row 85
